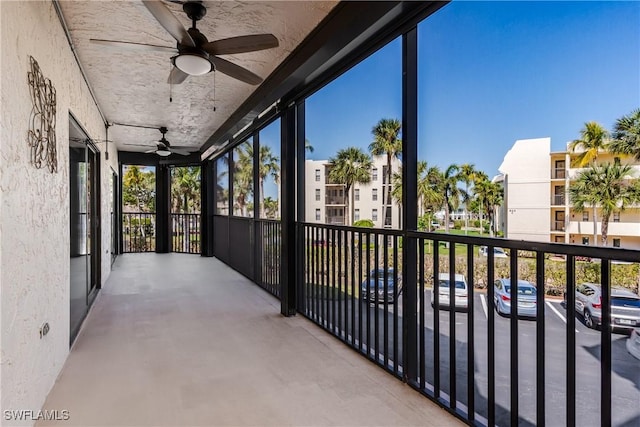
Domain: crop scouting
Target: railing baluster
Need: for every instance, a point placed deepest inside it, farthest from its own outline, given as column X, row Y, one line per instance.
column 571, row 341
column 421, row 320
column 396, row 293
column 491, row 354
column 376, row 326
column 470, row 338
column 513, row 317
column 366, row 303
column 540, row 347
column 361, row 301
column 452, row 325
column 385, row 295
column 436, row 319
column 340, row 326
column 605, row 344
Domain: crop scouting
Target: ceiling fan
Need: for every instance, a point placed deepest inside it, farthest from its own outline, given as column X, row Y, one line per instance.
column 194, row 54
column 163, row 147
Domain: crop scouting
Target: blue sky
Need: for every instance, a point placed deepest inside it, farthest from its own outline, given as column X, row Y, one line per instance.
column 491, row 73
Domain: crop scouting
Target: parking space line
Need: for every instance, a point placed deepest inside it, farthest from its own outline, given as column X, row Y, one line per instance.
column 555, row 310
column 483, row 300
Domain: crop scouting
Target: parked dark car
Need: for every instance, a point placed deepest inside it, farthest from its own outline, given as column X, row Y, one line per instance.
column 374, row 288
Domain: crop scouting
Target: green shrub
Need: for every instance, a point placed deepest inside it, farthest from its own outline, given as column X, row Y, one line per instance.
column 457, row 224
column 367, row 223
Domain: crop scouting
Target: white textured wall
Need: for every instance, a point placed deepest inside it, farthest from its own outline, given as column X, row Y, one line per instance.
column 527, row 190
column 34, row 211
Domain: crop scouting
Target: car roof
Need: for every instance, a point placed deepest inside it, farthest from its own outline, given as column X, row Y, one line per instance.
column 507, row 281
column 615, row 291
column 445, row 276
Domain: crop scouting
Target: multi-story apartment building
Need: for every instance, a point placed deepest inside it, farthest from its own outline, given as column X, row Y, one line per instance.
column 326, row 201
column 537, row 205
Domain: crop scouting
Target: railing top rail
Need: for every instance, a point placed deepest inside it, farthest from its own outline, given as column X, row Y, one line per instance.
column 385, row 231
column 138, row 213
column 618, row 254
column 269, row 220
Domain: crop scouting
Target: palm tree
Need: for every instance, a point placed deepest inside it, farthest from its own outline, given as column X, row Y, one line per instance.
column 467, row 174
column 139, row 188
column 350, row 166
column 593, row 139
column 489, row 195
column 268, row 164
column 429, row 188
column 626, row 135
column 270, row 208
column 608, row 187
column 479, row 177
column 243, row 177
column 185, row 189
column 307, row 146
column 386, row 141
column 450, row 192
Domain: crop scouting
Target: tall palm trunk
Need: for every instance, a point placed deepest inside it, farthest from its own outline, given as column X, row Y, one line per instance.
column 261, row 198
column 595, row 227
column 385, row 189
column 604, row 229
column 466, row 209
column 446, row 216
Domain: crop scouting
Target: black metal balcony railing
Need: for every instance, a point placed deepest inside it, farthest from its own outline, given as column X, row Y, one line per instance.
column 483, row 367
column 558, row 226
column 268, row 273
column 185, row 233
column 557, row 199
column 138, row 232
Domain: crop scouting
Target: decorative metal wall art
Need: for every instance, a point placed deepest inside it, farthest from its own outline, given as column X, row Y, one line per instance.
column 42, row 123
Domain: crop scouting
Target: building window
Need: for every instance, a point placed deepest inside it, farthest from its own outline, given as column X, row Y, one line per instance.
column 356, row 214
column 374, row 214
column 356, row 194
column 374, row 194
column 317, row 214
column 616, row 243
column 616, row 217
column 317, row 194
column 585, row 216
column 585, row 240
column 374, row 174
column 317, row 174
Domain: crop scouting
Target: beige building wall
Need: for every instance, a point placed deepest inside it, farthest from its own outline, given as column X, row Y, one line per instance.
column 527, row 190
column 368, row 198
column 34, row 208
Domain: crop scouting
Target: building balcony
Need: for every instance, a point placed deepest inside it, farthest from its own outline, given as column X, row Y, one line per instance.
column 335, row 201
column 335, row 220
column 558, row 200
column 558, row 226
column 558, row 173
column 177, row 339
column 623, row 229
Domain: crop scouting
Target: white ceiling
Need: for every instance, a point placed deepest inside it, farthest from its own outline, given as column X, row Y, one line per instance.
column 131, row 87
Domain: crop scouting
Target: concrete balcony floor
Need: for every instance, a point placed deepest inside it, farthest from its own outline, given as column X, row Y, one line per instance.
column 177, row 339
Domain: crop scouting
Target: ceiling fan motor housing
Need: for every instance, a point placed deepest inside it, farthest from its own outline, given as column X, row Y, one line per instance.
column 194, row 10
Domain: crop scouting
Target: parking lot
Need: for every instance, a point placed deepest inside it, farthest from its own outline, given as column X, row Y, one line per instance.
column 625, row 368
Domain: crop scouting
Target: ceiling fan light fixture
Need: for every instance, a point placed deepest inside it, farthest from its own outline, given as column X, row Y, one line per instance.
column 163, row 152
column 193, row 64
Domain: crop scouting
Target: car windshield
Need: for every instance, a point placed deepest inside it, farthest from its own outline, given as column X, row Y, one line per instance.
column 625, row 302
column 522, row 290
column 459, row 284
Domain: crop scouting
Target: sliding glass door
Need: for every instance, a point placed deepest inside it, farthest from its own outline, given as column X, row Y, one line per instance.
column 83, row 227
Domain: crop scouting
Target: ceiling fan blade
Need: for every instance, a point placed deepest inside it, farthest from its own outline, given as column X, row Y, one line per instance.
column 134, row 46
column 241, row 44
column 136, row 145
column 168, row 20
column 177, row 76
column 181, row 152
column 151, row 151
column 235, row 71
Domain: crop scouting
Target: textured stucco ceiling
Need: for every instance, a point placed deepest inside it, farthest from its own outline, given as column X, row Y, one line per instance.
column 131, row 87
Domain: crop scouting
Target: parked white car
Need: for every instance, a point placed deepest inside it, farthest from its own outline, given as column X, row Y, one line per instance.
column 461, row 292
column 497, row 252
column 633, row 343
